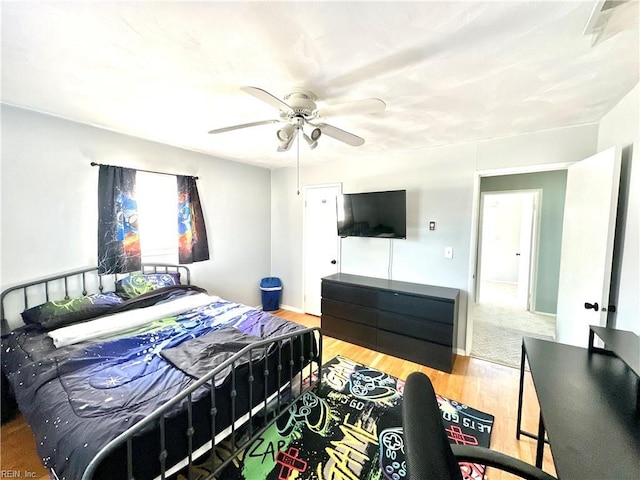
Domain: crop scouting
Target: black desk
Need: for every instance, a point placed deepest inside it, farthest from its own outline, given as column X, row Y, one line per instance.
column 587, row 406
column 624, row 345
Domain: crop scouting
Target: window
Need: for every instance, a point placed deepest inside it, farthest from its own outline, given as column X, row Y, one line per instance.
column 156, row 196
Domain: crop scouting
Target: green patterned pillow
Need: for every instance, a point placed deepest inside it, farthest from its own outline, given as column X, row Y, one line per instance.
column 138, row 283
column 59, row 313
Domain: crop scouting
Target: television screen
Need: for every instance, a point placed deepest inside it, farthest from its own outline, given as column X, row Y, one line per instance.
column 373, row 214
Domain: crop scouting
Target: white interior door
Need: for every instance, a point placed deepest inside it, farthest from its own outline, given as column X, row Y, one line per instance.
column 587, row 245
column 321, row 241
column 525, row 252
column 499, row 245
column 505, row 246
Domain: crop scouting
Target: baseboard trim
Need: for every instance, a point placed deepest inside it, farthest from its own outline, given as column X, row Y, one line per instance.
column 292, row 309
column 284, row 307
column 546, row 314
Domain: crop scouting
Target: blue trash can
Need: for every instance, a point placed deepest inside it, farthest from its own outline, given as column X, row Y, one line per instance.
column 271, row 288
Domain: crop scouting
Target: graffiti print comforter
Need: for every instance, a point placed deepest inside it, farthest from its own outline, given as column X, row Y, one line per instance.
column 77, row 398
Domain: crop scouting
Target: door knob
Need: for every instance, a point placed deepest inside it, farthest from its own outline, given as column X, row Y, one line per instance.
column 517, row 254
column 333, row 262
column 589, row 306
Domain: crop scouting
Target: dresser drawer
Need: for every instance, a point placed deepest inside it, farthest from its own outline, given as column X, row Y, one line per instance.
column 350, row 311
column 420, row 328
column 419, row 351
column 350, row 294
column 349, row 331
column 424, row 307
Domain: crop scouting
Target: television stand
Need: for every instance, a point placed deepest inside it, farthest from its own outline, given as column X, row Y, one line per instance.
column 407, row 320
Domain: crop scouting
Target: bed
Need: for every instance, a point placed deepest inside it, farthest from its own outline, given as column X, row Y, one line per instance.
column 138, row 376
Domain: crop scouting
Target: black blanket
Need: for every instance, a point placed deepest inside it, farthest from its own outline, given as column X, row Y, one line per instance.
column 199, row 356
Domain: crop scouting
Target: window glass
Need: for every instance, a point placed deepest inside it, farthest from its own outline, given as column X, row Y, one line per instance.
column 157, row 217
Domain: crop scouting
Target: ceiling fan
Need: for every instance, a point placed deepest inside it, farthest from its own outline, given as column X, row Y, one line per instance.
column 298, row 109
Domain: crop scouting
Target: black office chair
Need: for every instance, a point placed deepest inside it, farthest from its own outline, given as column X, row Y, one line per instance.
column 428, row 453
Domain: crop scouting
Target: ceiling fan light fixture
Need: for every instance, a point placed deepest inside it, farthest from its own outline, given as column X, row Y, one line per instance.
column 315, row 134
column 312, row 143
column 286, row 144
column 285, row 134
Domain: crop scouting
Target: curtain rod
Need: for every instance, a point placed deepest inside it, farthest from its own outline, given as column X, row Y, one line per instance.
column 94, row 164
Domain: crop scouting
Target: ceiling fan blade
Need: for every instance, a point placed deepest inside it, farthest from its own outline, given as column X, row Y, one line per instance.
column 338, row 134
column 265, row 96
column 243, row 125
column 358, row 107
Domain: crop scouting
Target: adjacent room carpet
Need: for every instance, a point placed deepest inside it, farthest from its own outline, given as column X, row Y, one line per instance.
column 351, row 428
column 498, row 332
column 500, row 320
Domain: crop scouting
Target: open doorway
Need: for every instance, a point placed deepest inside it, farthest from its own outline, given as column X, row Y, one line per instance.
column 507, row 247
column 507, row 266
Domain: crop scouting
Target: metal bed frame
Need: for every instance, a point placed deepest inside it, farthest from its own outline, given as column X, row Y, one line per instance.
column 304, row 365
column 72, row 283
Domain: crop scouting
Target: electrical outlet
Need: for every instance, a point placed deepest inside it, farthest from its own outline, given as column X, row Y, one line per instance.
column 448, row 252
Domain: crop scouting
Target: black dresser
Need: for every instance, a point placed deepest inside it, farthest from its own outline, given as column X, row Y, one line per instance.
column 407, row 320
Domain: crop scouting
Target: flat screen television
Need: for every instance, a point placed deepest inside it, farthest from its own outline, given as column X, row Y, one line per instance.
column 373, row 214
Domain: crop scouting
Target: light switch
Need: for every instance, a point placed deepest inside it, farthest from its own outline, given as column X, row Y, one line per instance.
column 448, row 252
column 432, row 225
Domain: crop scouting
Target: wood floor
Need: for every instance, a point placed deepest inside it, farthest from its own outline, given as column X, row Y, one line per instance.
column 486, row 386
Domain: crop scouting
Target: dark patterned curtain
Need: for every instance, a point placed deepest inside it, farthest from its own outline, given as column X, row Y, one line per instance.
column 118, row 239
column 192, row 234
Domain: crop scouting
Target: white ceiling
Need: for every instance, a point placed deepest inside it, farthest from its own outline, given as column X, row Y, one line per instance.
column 449, row 72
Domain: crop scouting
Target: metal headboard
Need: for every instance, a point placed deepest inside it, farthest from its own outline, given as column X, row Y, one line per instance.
column 74, row 283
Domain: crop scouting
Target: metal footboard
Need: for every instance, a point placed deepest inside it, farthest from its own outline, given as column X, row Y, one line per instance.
column 297, row 358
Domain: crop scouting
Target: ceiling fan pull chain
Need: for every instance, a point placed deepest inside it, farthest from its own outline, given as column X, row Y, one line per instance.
column 298, row 162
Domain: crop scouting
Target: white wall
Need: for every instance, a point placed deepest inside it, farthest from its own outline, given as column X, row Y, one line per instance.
column 621, row 126
column 441, row 186
column 49, row 202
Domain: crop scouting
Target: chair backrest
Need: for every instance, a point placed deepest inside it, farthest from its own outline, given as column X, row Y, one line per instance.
column 427, row 448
